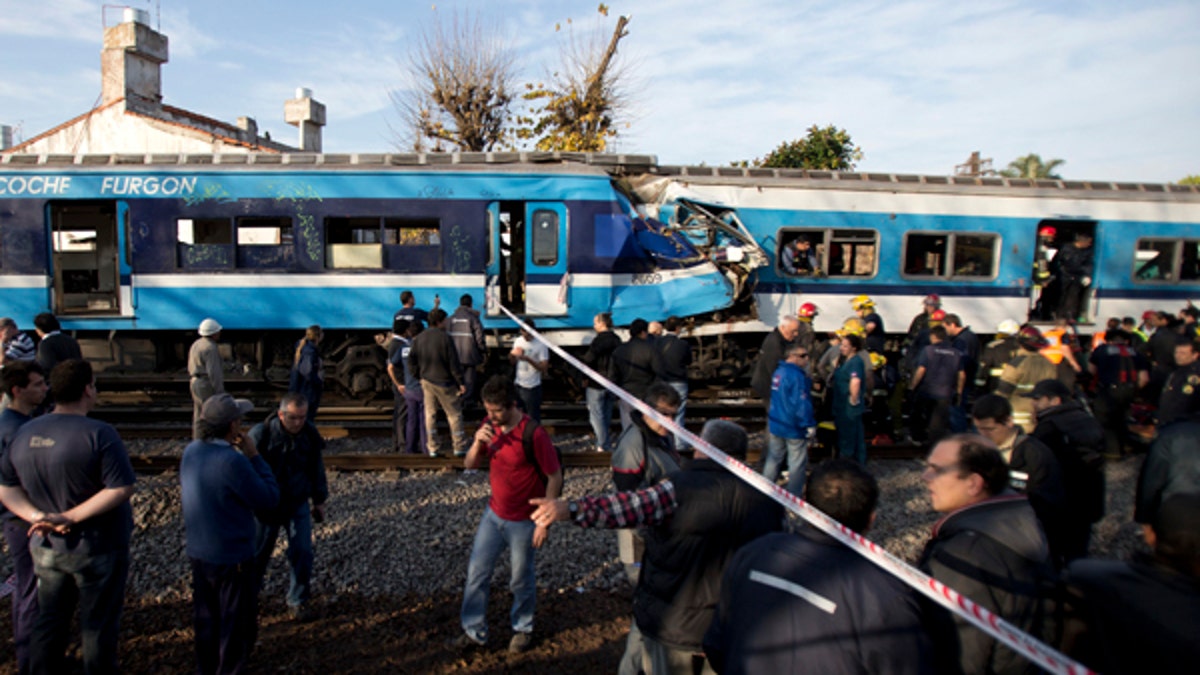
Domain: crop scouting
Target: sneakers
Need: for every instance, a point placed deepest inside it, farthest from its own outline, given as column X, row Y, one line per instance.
column 520, row 642
column 464, row 643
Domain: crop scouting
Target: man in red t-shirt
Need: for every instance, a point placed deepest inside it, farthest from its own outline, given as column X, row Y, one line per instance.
column 505, row 521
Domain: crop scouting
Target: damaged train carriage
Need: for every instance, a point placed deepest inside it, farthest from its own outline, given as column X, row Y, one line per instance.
column 133, row 252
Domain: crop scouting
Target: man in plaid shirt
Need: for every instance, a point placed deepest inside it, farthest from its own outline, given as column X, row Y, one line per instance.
column 712, row 514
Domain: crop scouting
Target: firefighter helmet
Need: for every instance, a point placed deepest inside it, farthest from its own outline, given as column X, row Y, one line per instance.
column 807, row 311
column 860, row 302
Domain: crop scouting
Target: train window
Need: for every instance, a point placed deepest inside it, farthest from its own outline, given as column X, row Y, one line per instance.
column 850, row 253
column 1166, row 260
column 839, row 253
column 264, row 231
column 352, row 231
column 204, row 243
column 353, row 243
column 545, row 238
column 412, row 232
column 950, row 255
column 74, row 241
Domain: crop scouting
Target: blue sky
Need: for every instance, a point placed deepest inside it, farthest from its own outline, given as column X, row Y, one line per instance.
column 1108, row 86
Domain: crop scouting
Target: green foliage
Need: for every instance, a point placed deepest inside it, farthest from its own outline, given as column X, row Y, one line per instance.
column 824, row 148
column 1194, row 179
column 578, row 110
column 1031, row 166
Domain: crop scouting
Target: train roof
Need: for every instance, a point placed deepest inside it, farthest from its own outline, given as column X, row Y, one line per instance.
column 635, row 166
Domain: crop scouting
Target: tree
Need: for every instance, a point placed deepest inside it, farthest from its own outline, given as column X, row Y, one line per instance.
column 1190, row 180
column 581, row 107
column 827, row 148
column 462, row 88
column 1032, row 166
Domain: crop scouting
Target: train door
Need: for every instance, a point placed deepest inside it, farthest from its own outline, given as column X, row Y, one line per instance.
column 1061, row 249
column 527, row 262
column 90, row 273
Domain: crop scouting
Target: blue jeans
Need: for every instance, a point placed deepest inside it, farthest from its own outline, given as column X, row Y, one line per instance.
column 299, row 553
column 600, row 405
column 797, row 459
column 493, row 535
column 93, row 582
column 682, row 388
column 531, row 400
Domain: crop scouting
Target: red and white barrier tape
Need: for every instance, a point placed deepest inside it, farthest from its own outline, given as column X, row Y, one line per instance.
column 1030, row 647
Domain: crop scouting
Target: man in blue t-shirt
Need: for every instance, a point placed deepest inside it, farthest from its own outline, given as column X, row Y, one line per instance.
column 223, row 481
column 24, row 386
column 70, row 477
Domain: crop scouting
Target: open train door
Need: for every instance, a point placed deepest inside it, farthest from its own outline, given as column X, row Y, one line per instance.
column 527, row 259
column 91, row 275
column 547, row 280
column 1047, row 297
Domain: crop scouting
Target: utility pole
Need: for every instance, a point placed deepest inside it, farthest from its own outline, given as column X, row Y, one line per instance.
column 975, row 166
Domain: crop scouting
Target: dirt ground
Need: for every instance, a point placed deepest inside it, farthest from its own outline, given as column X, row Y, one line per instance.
column 577, row 633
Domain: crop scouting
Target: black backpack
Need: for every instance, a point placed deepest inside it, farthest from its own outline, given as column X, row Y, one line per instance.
column 532, row 426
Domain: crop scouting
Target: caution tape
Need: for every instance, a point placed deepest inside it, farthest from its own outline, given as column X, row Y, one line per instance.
column 1032, row 648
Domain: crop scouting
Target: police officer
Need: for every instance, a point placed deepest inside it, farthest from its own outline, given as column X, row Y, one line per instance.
column 1181, row 395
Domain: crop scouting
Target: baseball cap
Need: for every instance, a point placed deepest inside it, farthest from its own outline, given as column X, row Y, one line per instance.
column 1050, row 389
column 222, row 409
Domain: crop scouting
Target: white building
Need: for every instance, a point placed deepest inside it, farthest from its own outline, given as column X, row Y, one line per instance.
column 132, row 118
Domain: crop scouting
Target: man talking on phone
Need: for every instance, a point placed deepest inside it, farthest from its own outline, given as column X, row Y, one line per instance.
column 523, row 465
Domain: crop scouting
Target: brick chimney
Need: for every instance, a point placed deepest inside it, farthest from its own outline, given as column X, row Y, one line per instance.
column 132, row 59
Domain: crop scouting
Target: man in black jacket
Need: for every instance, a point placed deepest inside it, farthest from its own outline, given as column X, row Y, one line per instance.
column 701, row 516
column 636, row 366
column 804, row 602
column 1141, row 616
column 773, row 350
column 1033, row 469
column 599, row 358
column 1072, row 266
column 466, row 331
column 434, row 361
column 292, row 448
column 675, row 355
column 988, row 547
column 1172, row 466
column 1077, row 440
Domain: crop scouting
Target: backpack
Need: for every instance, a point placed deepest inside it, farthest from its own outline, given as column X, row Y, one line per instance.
column 531, row 426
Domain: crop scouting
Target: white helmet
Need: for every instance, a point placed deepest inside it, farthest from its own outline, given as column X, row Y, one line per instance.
column 209, row 327
column 1008, row 327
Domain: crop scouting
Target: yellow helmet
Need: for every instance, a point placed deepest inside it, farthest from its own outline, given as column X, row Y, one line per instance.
column 852, row 326
column 862, row 302
column 878, row 360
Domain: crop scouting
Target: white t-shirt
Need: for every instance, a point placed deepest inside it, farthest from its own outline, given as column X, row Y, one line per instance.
column 528, row 376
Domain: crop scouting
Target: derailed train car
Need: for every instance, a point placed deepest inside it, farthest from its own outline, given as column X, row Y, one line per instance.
column 132, row 252
column 984, row 244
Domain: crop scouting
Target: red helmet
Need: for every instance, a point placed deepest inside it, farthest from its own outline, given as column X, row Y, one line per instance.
column 1031, row 338
column 807, row 311
column 1047, row 232
column 937, row 315
column 933, row 300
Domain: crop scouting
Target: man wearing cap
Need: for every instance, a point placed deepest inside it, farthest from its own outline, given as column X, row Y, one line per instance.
column 1072, row 267
column 292, row 448
column 988, row 546
column 205, row 368
column 1077, row 440
column 1119, row 372
column 70, row 477
column 1141, row 616
column 791, row 421
column 223, row 480
column 995, row 354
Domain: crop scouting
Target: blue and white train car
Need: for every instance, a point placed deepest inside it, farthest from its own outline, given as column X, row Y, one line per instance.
column 268, row 244
column 973, row 241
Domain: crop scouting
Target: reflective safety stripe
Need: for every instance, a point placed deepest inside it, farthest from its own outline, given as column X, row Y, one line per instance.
column 822, row 603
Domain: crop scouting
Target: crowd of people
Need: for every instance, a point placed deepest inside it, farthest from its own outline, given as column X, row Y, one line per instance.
column 1017, row 432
